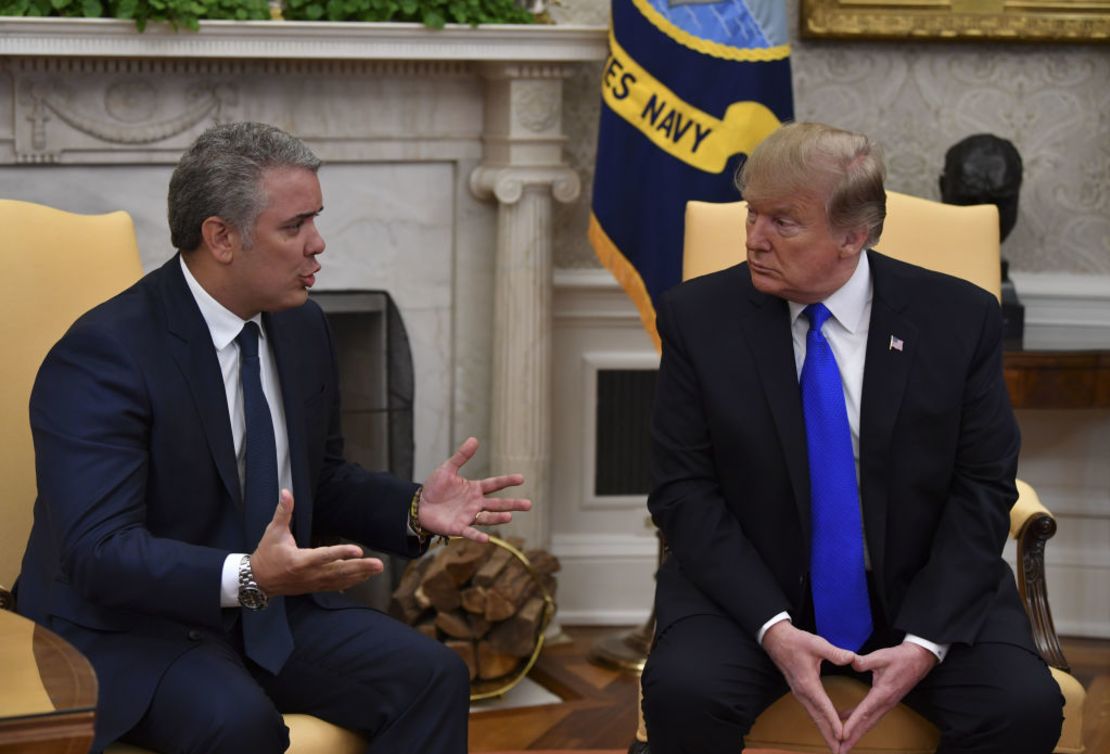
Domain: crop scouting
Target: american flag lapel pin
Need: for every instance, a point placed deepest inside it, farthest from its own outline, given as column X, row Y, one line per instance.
column 895, row 343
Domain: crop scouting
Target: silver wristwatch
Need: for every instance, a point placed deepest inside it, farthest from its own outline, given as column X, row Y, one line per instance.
column 251, row 595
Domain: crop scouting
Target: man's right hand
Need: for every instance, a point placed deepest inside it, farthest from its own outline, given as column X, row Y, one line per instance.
column 798, row 655
column 280, row 567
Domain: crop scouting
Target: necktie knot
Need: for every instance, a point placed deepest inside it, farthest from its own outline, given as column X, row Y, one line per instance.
column 817, row 314
column 248, row 340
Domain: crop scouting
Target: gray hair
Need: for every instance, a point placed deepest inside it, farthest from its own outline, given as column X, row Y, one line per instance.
column 221, row 175
column 844, row 168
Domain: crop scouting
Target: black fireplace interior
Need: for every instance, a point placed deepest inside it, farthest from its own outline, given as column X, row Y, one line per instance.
column 376, row 386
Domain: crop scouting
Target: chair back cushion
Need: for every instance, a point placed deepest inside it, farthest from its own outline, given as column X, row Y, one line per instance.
column 59, row 265
column 960, row 241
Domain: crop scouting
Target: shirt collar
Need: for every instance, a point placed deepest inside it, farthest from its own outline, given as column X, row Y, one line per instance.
column 848, row 303
column 223, row 324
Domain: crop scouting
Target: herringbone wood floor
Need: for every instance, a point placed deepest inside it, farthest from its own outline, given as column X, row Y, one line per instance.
column 600, row 707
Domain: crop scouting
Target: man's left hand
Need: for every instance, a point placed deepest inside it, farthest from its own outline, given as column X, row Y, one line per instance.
column 894, row 672
column 452, row 505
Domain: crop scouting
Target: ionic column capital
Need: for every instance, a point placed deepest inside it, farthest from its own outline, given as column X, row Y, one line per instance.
column 507, row 184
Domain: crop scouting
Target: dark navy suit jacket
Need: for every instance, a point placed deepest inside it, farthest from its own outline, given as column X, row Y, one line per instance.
column 938, row 453
column 138, row 490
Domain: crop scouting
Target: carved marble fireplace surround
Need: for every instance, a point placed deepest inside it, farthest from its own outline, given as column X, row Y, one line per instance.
column 443, row 156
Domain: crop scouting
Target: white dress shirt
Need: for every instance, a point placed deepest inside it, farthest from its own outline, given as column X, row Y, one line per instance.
column 224, row 326
column 846, row 331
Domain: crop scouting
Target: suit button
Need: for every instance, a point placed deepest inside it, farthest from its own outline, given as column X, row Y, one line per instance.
column 194, row 635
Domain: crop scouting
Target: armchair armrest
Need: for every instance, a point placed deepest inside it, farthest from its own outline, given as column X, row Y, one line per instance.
column 1032, row 525
column 1027, row 506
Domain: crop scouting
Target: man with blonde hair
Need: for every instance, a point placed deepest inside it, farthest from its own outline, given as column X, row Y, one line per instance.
column 834, row 457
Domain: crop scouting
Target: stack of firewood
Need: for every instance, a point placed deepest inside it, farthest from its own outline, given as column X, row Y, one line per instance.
column 480, row 600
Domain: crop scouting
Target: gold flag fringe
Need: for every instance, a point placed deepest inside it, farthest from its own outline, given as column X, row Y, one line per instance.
column 625, row 274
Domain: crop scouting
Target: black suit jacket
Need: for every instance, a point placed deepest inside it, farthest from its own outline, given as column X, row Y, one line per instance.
column 938, row 456
column 138, row 490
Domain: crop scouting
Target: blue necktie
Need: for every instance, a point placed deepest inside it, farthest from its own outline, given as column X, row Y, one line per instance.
column 837, row 574
column 266, row 634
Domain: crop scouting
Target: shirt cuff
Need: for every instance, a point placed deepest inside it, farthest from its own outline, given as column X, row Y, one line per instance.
column 229, row 580
column 940, row 650
column 779, row 618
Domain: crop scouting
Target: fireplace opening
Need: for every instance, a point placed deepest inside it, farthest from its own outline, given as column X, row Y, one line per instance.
column 376, row 400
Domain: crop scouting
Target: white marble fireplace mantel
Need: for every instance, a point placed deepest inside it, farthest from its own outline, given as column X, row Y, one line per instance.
column 301, row 40
column 443, row 152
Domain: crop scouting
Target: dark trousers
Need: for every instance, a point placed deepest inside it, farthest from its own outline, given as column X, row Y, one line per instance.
column 707, row 680
column 356, row 668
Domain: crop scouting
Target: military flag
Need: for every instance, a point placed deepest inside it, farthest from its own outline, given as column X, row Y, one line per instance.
column 689, row 88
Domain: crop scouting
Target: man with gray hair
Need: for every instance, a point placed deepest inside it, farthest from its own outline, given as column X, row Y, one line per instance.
column 834, row 458
column 189, row 453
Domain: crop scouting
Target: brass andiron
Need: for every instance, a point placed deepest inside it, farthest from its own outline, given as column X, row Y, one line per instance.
column 628, row 651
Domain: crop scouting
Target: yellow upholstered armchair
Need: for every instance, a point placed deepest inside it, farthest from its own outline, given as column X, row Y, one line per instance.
column 961, row 241
column 59, row 265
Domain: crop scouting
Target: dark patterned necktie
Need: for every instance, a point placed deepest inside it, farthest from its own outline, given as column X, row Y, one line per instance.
column 838, row 577
column 266, row 634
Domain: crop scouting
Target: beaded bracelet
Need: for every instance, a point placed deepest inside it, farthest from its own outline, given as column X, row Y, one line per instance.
column 414, row 519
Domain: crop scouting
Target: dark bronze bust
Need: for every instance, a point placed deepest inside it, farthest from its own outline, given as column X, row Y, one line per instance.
column 983, row 169
column 986, row 169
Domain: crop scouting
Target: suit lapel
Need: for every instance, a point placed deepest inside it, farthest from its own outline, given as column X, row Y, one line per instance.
column 284, row 350
column 192, row 349
column 767, row 329
column 892, row 344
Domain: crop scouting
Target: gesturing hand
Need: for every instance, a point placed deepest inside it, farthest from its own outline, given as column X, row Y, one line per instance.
column 452, row 505
column 280, row 567
column 894, row 672
column 798, row 655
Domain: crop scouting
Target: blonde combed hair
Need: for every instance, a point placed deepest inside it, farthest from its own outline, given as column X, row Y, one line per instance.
column 842, row 168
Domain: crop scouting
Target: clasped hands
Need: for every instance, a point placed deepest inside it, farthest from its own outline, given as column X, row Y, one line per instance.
column 894, row 672
column 450, row 505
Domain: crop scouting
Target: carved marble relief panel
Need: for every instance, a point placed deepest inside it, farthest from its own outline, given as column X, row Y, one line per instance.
column 83, row 112
column 536, row 110
column 134, row 112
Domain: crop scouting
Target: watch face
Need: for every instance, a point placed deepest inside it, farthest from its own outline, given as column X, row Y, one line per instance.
column 252, row 598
